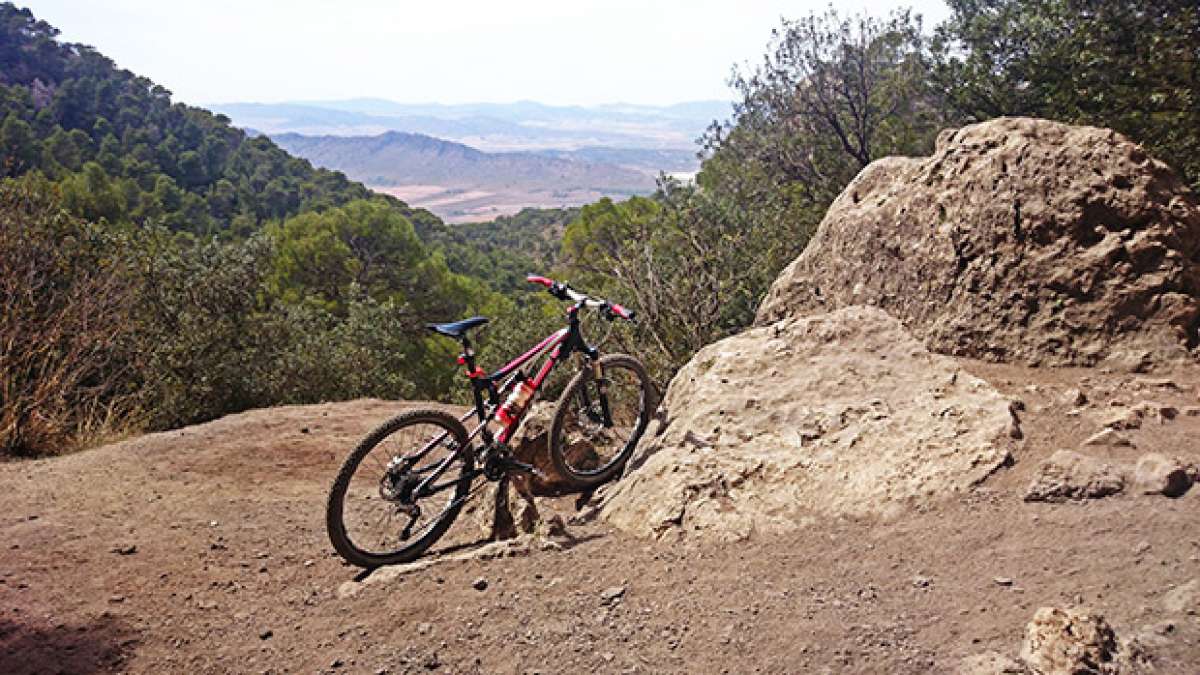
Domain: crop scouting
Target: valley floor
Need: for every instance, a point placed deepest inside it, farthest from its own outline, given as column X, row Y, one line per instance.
column 204, row 550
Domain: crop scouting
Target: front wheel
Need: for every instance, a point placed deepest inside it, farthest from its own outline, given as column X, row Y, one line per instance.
column 598, row 423
column 400, row 489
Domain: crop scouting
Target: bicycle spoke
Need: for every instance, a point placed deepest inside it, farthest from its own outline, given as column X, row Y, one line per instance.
column 373, row 496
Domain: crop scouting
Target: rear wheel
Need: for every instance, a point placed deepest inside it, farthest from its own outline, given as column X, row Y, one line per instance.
column 594, row 432
column 377, row 514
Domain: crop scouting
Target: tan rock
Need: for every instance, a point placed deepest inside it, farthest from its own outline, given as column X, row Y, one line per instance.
column 838, row 414
column 1069, row 475
column 1075, row 398
column 1066, row 642
column 1017, row 240
column 1159, row 474
column 1110, row 438
column 1126, row 419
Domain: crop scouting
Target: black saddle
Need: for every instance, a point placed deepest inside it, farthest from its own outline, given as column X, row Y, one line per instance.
column 458, row 328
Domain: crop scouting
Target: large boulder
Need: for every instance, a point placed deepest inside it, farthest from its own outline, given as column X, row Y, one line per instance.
column 1018, row 240
column 844, row 413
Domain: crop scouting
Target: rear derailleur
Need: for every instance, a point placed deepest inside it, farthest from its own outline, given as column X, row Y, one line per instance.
column 397, row 486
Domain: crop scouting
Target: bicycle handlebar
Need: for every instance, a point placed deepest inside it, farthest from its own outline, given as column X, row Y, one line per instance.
column 562, row 291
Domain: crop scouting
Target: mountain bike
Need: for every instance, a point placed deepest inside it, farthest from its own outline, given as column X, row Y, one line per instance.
column 400, row 490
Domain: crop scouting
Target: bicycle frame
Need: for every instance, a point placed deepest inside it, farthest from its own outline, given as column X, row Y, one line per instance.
column 487, row 395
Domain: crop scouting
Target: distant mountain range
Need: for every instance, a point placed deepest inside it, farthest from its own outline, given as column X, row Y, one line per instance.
column 396, row 158
column 460, row 183
column 524, row 125
column 478, row 161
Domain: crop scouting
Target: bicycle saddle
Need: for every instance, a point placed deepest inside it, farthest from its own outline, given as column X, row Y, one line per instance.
column 457, row 329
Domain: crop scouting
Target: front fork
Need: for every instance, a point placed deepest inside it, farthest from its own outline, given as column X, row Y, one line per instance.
column 601, row 389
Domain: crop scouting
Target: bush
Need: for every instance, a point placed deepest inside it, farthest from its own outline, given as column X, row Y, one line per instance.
column 64, row 322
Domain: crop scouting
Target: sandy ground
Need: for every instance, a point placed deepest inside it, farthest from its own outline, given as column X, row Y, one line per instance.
column 204, row 550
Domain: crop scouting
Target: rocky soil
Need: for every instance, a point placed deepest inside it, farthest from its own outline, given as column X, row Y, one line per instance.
column 203, row 550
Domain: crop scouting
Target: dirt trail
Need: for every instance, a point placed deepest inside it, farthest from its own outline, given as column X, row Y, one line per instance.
column 203, row 550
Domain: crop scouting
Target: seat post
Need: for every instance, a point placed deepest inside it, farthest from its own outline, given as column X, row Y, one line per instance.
column 468, row 354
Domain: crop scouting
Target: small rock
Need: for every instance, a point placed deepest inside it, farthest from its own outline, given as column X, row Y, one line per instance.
column 1067, row 641
column 1110, row 438
column 1068, row 475
column 921, row 582
column 612, row 594
column 304, row 430
column 1158, row 474
column 1125, row 420
column 266, row 634
column 125, row 549
column 480, row 584
column 117, row 599
column 1142, row 548
column 424, row 628
column 1003, row 581
column 1192, row 411
column 1075, row 398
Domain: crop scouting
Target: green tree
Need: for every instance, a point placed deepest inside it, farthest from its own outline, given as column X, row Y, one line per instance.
column 364, row 247
column 92, row 195
column 18, row 149
column 1130, row 66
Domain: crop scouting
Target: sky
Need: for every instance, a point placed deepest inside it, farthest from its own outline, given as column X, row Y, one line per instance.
column 564, row 52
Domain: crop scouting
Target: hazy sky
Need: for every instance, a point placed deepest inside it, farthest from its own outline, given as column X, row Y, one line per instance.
column 455, row 51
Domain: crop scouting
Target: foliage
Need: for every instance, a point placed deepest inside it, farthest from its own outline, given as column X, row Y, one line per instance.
column 123, row 151
column 504, row 251
column 64, row 316
column 1130, row 66
column 832, row 95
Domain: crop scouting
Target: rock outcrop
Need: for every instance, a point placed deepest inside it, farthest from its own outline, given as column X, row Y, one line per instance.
column 844, row 413
column 1018, row 240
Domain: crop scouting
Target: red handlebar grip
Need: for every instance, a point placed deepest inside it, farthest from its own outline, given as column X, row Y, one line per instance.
column 621, row 311
column 534, row 279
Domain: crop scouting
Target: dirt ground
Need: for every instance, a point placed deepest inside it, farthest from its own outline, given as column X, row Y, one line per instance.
column 204, row 550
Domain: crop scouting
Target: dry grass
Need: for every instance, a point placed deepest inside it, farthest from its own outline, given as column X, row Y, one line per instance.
column 64, row 314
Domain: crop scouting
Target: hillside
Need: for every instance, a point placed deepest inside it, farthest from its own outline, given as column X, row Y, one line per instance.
column 121, row 150
column 461, row 183
column 396, row 158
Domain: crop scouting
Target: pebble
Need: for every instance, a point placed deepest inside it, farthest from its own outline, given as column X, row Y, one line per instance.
column 1003, row 581
column 921, row 582
column 266, row 634
column 1141, row 548
column 126, row 549
column 612, row 594
column 480, row 584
